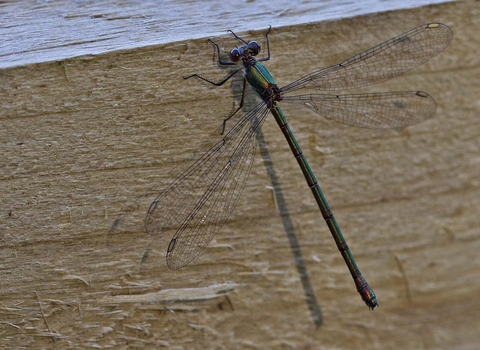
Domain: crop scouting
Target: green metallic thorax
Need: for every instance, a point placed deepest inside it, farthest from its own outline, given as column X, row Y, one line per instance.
column 259, row 78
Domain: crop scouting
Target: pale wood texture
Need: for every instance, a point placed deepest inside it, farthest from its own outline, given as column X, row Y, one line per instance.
column 40, row 31
column 89, row 141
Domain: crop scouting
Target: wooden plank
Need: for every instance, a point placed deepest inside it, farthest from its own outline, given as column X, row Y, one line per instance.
column 34, row 32
column 91, row 139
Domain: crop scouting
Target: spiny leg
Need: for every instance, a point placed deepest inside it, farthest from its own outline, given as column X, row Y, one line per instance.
column 220, row 62
column 223, row 81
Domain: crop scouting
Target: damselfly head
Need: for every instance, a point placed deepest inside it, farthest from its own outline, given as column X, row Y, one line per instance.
column 251, row 49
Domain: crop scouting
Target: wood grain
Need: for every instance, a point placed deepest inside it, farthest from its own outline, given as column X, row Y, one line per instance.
column 88, row 142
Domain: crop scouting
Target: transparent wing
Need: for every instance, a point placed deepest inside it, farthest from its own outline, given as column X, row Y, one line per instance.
column 377, row 110
column 382, row 62
column 198, row 203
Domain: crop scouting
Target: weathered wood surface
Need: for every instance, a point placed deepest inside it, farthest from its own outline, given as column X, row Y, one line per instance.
column 90, row 140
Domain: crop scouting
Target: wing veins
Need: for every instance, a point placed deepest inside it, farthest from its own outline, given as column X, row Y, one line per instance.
column 379, row 63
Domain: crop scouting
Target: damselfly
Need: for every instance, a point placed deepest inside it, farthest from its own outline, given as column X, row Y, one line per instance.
column 199, row 202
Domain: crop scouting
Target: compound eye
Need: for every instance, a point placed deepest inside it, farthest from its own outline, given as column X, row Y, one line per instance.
column 235, row 55
column 254, row 48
